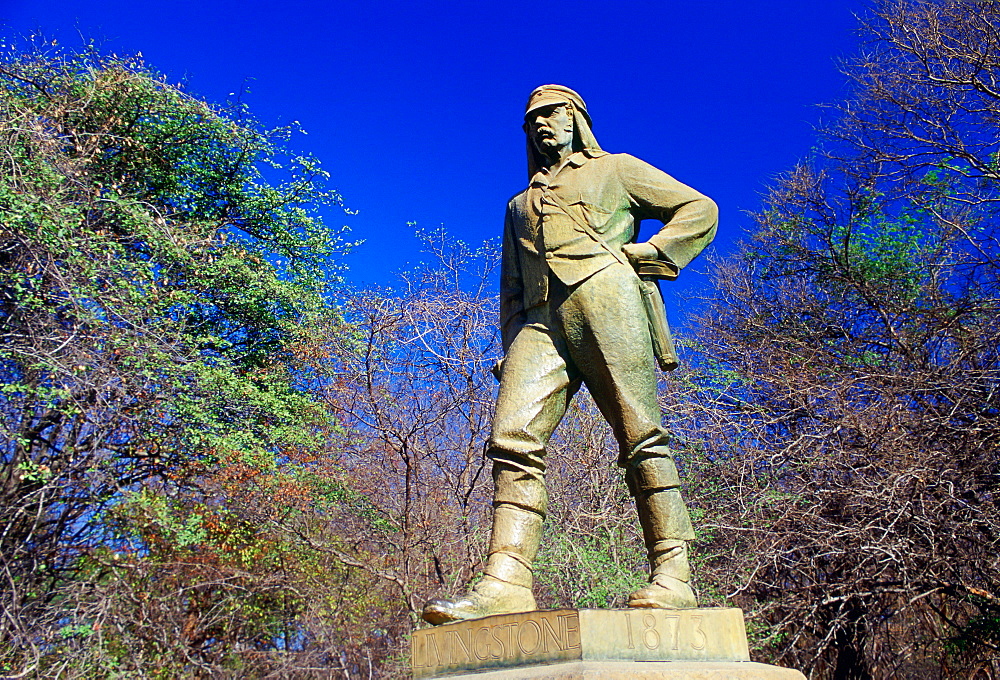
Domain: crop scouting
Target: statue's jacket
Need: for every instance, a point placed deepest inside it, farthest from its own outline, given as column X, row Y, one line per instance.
column 612, row 193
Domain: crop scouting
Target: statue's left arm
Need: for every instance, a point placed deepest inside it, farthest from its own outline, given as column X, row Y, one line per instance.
column 689, row 217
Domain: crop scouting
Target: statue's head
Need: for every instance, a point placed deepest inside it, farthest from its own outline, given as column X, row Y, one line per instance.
column 550, row 127
column 555, row 117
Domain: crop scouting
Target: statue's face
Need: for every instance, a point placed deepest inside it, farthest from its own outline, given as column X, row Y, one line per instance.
column 550, row 128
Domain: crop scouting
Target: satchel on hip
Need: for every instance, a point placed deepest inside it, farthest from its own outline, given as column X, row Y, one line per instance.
column 650, row 273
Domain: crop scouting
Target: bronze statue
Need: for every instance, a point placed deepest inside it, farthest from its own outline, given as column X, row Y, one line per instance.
column 573, row 309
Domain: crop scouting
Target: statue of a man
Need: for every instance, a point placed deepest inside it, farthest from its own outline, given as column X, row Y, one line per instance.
column 571, row 312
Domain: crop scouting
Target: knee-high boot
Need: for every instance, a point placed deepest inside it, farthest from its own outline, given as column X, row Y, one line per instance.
column 666, row 529
column 519, row 506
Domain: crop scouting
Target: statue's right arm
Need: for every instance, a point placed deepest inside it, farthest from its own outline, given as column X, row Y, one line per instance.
column 511, row 286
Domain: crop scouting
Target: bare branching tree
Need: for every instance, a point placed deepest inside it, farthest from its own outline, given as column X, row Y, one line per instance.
column 849, row 395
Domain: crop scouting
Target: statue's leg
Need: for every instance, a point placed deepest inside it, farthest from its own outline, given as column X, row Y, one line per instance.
column 666, row 529
column 611, row 345
column 535, row 388
column 519, row 508
column 520, row 503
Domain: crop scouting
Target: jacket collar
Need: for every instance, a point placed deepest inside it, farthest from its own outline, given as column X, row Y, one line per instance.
column 581, row 157
column 576, row 160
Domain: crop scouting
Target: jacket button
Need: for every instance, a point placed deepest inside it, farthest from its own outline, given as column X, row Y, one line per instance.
column 549, row 256
column 546, row 218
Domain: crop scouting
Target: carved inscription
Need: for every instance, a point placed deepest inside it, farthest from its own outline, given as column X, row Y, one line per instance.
column 498, row 641
column 545, row 637
column 665, row 632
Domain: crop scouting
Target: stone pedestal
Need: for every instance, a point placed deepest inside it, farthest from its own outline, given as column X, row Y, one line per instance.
column 639, row 670
column 566, row 644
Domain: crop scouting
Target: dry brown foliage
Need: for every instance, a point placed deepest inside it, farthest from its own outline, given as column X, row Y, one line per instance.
column 845, row 421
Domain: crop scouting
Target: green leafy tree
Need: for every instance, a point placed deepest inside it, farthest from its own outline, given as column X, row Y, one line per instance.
column 162, row 266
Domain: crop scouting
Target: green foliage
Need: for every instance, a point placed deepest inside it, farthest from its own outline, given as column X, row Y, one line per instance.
column 981, row 629
column 163, row 275
column 592, row 570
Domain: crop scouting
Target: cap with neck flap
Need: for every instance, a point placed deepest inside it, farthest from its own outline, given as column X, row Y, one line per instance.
column 549, row 95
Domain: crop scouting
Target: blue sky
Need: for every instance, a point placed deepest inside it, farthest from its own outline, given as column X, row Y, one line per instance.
column 415, row 108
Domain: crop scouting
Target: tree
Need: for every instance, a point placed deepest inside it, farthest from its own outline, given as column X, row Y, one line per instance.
column 161, row 266
column 849, row 395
